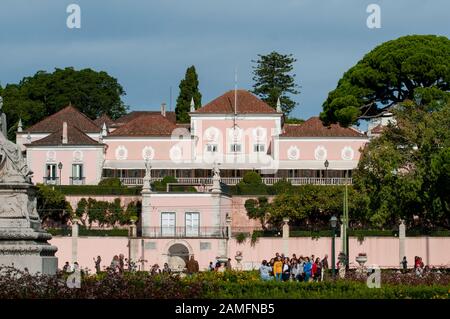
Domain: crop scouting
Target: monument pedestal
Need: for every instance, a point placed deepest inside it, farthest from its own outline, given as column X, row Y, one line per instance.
column 23, row 244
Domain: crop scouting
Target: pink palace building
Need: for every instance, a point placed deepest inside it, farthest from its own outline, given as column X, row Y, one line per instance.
column 236, row 132
column 69, row 148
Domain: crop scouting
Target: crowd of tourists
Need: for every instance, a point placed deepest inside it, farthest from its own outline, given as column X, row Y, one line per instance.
column 302, row 268
column 279, row 268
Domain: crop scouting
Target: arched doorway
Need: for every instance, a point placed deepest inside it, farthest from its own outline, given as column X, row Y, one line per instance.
column 178, row 257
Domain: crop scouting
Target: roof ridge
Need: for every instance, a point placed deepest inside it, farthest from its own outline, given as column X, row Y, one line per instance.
column 224, row 104
column 131, row 124
column 58, row 113
column 75, row 127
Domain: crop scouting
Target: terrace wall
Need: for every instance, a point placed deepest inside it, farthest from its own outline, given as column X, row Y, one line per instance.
column 382, row 251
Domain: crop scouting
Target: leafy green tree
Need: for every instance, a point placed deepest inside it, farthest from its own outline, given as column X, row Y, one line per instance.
column 250, row 184
column 294, row 120
column 283, row 186
column 112, row 182
column 52, row 205
column 314, row 205
column 81, row 211
column 410, row 67
column 188, row 91
column 132, row 212
column 404, row 172
column 38, row 96
column 257, row 209
column 116, row 214
column 98, row 211
column 273, row 79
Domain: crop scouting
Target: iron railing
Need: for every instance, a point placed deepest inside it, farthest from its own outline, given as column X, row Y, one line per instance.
column 49, row 180
column 184, row 232
column 77, row 180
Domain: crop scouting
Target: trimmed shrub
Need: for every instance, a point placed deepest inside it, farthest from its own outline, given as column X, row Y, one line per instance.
column 92, row 190
column 110, row 182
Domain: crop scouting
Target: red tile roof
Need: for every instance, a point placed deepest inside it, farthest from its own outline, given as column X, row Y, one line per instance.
column 313, row 127
column 74, row 137
column 68, row 114
column 171, row 116
column 146, row 125
column 378, row 129
column 246, row 103
column 104, row 119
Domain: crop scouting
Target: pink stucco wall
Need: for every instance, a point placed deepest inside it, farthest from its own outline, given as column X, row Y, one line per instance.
column 205, row 204
column 248, row 137
column 233, row 205
column 307, row 148
column 381, row 251
column 91, row 158
column 161, row 146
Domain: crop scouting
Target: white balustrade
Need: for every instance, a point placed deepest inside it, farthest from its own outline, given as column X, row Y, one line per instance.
column 136, row 181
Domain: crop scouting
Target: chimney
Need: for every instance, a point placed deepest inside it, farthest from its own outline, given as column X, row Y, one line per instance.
column 19, row 126
column 64, row 133
column 163, row 109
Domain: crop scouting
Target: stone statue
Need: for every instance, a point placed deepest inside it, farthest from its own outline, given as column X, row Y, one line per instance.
column 216, row 179
column 216, row 171
column 23, row 243
column 148, row 169
column 13, row 168
column 148, row 176
column 3, row 126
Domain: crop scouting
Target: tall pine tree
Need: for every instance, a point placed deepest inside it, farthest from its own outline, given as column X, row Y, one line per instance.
column 273, row 80
column 188, row 91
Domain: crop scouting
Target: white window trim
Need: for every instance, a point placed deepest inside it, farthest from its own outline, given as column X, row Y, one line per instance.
column 255, row 145
column 212, row 145
column 235, row 152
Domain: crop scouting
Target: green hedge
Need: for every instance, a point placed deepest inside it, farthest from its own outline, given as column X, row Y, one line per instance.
column 98, row 190
column 214, row 285
column 83, row 231
column 353, row 233
column 324, row 290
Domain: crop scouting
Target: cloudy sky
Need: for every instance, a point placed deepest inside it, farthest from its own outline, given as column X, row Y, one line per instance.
column 147, row 45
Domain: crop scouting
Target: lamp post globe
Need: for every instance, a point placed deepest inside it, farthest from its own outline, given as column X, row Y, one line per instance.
column 333, row 222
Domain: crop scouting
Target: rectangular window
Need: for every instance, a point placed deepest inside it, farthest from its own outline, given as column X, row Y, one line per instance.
column 51, row 171
column 77, row 171
column 235, row 148
column 167, row 224
column 259, row 148
column 211, row 148
column 192, row 224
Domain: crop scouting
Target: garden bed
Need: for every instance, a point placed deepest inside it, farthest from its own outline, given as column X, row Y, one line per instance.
column 232, row 284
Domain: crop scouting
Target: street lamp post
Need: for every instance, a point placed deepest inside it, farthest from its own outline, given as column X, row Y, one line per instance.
column 326, row 164
column 333, row 223
column 60, row 166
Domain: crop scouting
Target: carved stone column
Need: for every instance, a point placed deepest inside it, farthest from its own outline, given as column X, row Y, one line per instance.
column 75, row 229
column 402, row 239
column 23, row 243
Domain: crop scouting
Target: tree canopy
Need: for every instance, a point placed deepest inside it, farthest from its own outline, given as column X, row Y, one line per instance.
column 38, row 96
column 410, row 67
column 405, row 171
column 273, row 79
column 188, row 91
column 307, row 205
